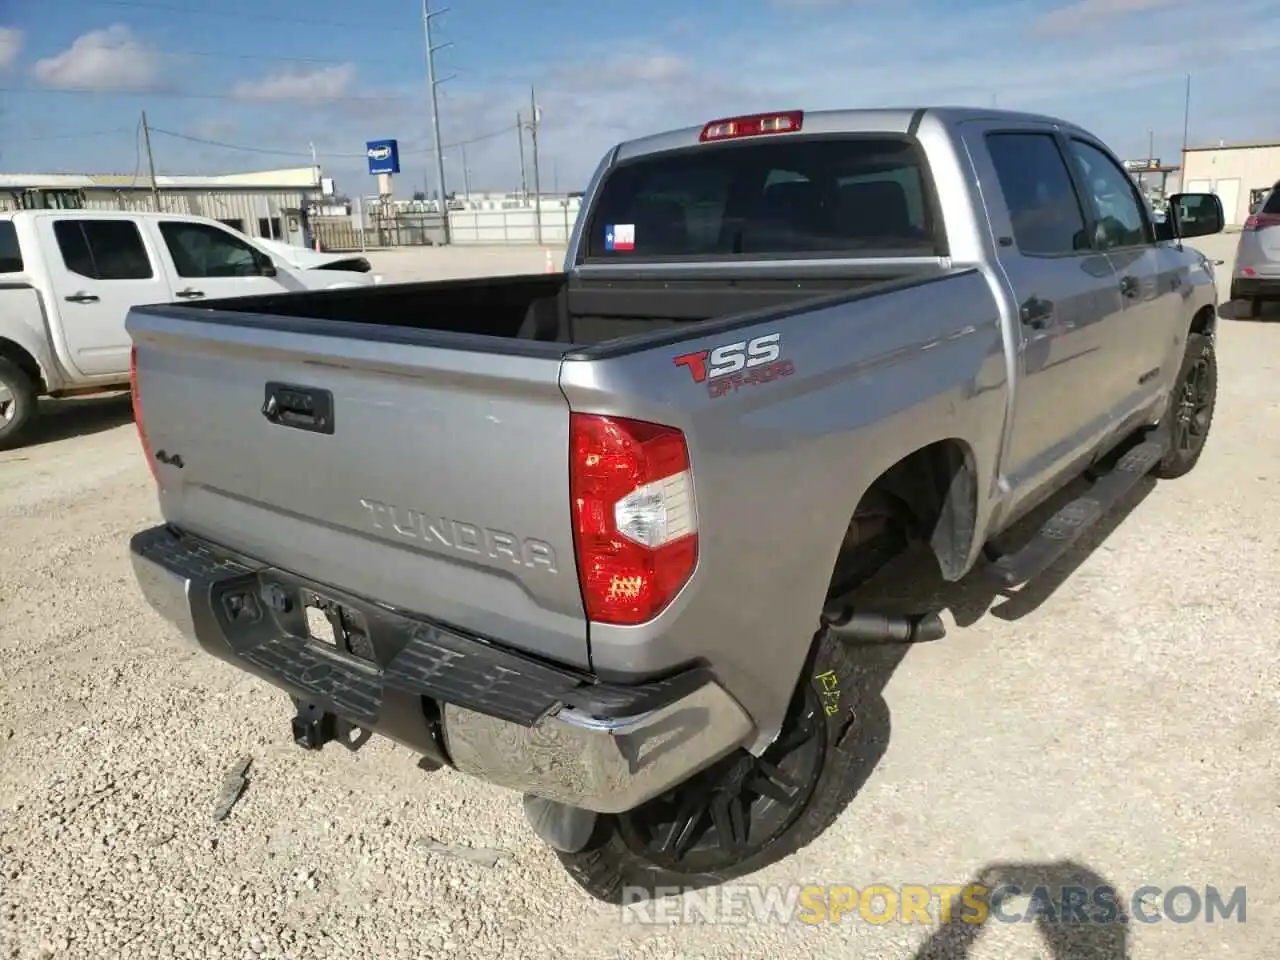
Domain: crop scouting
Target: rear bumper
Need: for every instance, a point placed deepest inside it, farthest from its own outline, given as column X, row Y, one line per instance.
column 458, row 699
column 1247, row 288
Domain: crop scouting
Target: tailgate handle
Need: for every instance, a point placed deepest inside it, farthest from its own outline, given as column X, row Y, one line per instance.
column 303, row 408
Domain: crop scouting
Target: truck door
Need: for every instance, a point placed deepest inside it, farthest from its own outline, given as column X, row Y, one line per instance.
column 1067, row 298
column 98, row 269
column 209, row 263
column 1149, row 276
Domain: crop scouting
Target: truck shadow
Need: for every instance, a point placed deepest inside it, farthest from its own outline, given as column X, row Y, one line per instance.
column 78, row 417
column 911, row 584
column 1236, row 310
column 1098, row 930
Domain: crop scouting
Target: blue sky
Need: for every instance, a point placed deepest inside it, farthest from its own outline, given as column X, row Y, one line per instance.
column 272, row 76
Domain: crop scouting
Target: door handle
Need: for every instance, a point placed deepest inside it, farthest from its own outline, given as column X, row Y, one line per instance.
column 303, row 408
column 1129, row 287
column 190, row 293
column 1036, row 313
column 81, row 297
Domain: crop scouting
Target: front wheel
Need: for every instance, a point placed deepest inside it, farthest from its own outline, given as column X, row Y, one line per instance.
column 744, row 812
column 17, row 404
column 1191, row 406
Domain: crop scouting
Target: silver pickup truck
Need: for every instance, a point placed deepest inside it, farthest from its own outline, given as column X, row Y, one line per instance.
column 589, row 535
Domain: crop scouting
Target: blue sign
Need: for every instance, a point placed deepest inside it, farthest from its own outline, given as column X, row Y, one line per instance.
column 384, row 156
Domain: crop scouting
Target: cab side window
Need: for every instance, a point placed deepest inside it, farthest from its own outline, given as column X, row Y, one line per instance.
column 199, row 250
column 103, row 249
column 10, row 252
column 1121, row 221
column 1047, row 217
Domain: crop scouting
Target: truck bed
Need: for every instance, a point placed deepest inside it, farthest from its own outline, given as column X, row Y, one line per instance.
column 558, row 308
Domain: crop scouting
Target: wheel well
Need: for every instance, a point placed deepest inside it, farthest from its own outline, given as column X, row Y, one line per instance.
column 23, row 361
column 1205, row 321
column 931, row 495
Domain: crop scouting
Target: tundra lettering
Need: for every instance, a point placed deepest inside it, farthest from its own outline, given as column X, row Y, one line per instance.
column 462, row 536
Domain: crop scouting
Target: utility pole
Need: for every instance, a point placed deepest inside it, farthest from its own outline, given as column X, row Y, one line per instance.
column 433, row 83
column 151, row 162
column 524, row 185
column 466, row 171
column 1186, row 118
column 537, row 181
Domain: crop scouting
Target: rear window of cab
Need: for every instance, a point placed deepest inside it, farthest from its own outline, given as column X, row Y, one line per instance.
column 794, row 196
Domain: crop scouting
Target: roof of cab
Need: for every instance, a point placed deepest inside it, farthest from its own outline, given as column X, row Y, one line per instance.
column 877, row 120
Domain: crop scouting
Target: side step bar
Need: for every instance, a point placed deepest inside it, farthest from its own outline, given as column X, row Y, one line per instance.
column 1065, row 528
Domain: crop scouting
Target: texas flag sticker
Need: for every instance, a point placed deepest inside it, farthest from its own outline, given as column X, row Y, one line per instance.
column 620, row 236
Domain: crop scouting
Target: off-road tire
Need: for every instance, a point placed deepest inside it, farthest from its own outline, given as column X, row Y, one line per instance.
column 1177, row 462
column 22, row 393
column 609, row 866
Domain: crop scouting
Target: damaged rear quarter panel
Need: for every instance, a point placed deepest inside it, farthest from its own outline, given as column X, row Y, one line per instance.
column 779, row 465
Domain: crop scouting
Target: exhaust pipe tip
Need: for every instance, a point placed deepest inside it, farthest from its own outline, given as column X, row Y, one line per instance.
column 853, row 625
column 562, row 827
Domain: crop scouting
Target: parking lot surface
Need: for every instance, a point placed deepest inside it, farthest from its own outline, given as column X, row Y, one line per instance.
column 1114, row 724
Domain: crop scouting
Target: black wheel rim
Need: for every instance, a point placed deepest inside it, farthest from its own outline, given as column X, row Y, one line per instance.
column 738, row 807
column 1194, row 408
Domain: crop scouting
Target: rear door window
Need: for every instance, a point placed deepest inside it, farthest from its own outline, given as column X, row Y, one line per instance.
column 1044, row 208
column 199, row 250
column 834, row 196
column 10, row 253
column 103, row 249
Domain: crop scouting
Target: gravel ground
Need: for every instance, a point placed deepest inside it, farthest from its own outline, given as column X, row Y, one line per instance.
column 1119, row 727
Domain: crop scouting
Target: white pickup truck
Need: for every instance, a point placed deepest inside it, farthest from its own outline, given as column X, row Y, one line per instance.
column 69, row 277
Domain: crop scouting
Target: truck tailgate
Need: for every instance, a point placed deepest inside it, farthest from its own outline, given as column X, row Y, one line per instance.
column 440, row 487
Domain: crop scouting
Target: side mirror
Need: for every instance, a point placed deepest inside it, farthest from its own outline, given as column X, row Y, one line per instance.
column 1196, row 214
column 266, row 266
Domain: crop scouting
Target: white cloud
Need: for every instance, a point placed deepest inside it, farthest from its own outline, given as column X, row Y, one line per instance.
column 883, row 53
column 111, row 59
column 1083, row 15
column 10, row 46
column 322, row 83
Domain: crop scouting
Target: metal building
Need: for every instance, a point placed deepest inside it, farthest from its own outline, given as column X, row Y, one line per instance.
column 268, row 203
column 1239, row 173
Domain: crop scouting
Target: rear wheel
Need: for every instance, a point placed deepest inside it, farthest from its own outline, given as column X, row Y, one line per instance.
column 1191, row 407
column 744, row 812
column 1253, row 308
column 17, row 404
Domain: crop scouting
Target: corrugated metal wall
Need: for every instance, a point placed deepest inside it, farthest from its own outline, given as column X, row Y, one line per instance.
column 243, row 209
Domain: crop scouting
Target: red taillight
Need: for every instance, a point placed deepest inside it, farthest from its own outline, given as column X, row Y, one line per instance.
column 635, row 522
column 135, row 393
column 1260, row 221
column 752, row 126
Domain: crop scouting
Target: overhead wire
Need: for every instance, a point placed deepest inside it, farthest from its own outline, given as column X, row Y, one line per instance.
column 245, row 148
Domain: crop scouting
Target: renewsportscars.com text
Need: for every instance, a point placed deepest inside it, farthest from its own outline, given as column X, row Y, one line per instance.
column 932, row 904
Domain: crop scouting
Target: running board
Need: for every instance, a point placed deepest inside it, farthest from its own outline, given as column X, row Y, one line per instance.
column 1065, row 528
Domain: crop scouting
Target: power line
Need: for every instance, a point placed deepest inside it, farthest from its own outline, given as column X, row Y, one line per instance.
column 505, row 131
column 243, row 15
column 79, row 135
column 175, row 95
column 265, row 57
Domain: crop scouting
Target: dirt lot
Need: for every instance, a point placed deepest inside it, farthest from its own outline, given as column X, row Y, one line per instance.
column 1114, row 724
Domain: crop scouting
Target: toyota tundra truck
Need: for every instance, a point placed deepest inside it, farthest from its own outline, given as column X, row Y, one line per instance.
column 590, row 535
